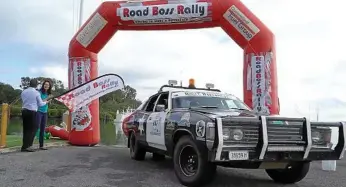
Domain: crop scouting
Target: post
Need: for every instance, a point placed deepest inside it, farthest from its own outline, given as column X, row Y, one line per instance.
column 4, row 121
column 68, row 123
column 81, row 13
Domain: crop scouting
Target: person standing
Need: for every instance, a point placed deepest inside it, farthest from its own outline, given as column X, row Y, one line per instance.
column 31, row 99
column 42, row 115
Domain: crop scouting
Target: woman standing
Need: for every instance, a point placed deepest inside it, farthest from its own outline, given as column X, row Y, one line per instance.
column 42, row 113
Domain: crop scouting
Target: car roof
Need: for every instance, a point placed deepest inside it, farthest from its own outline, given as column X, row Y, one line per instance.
column 170, row 88
column 192, row 90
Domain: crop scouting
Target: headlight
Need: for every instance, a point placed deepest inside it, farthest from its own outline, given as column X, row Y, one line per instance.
column 232, row 134
column 316, row 136
column 226, row 133
column 237, row 134
column 321, row 136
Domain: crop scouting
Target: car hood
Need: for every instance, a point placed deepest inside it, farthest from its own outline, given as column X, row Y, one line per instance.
column 224, row 113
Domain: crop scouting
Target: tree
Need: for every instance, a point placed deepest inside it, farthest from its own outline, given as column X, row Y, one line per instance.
column 130, row 93
column 120, row 99
column 8, row 94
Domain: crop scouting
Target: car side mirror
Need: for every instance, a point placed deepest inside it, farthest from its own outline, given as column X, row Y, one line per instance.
column 160, row 108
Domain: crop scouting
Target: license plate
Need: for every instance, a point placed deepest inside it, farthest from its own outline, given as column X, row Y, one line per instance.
column 238, row 155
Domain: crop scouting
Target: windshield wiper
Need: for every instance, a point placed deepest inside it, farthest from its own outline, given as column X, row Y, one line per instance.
column 239, row 109
column 204, row 107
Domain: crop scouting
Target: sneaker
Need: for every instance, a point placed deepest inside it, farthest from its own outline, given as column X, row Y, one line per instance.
column 42, row 148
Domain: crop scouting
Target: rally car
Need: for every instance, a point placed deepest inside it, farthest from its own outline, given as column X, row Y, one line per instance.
column 202, row 128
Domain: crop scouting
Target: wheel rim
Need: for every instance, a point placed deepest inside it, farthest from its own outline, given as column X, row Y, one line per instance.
column 188, row 161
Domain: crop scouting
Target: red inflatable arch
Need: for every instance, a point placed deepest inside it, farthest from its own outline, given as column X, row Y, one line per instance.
column 259, row 72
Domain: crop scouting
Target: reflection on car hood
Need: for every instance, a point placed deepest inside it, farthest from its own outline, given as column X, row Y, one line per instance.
column 222, row 112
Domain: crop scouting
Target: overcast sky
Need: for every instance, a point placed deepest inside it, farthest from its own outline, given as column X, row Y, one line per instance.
column 310, row 40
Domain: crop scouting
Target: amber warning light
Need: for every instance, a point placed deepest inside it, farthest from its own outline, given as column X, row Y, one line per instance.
column 192, row 83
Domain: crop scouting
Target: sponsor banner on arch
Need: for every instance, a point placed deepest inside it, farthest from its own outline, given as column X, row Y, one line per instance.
column 79, row 71
column 91, row 30
column 241, row 23
column 80, row 96
column 260, row 80
column 165, row 14
column 79, row 68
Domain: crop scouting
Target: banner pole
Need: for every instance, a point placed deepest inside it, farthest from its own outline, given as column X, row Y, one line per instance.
column 81, row 7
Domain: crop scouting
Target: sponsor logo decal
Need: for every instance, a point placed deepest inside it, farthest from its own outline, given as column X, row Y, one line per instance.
column 200, row 129
column 240, row 22
column 91, row 30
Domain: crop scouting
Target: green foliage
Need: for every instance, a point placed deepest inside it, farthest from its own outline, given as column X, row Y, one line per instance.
column 109, row 104
column 7, row 93
column 120, row 100
column 15, row 111
column 53, row 112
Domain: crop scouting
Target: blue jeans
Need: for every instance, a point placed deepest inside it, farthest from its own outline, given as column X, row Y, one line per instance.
column 42, row 122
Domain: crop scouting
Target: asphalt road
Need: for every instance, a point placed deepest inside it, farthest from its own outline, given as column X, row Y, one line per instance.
column 111, row 166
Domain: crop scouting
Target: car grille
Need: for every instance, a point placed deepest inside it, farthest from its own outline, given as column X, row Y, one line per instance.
column 250, row 130
column 292, row 138
column 287, row 133
column 280, row 133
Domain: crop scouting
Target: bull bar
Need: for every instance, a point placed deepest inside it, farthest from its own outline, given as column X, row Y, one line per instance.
column 336, row 154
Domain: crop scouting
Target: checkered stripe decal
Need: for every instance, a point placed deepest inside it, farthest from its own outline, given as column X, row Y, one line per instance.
column 67, row 100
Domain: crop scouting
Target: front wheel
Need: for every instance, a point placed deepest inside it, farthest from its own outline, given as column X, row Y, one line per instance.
column 191, row 164
column 136, row 151
column 294, row 173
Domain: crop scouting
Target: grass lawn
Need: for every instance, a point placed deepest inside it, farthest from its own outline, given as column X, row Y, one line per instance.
column 16, row 140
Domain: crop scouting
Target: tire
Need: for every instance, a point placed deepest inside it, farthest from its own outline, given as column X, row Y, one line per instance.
column 289, row 176
column 158, row 157
column 136, row 151
column 204, row 171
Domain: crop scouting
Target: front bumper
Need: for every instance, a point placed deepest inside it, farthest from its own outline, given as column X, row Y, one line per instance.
column 265, row 150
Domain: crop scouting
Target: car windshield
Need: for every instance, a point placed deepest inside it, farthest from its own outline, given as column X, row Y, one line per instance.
column 191, row 99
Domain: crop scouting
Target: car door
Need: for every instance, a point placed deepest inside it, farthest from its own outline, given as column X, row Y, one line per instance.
column 155, row 126
column 139, row 115
column 142, row 117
